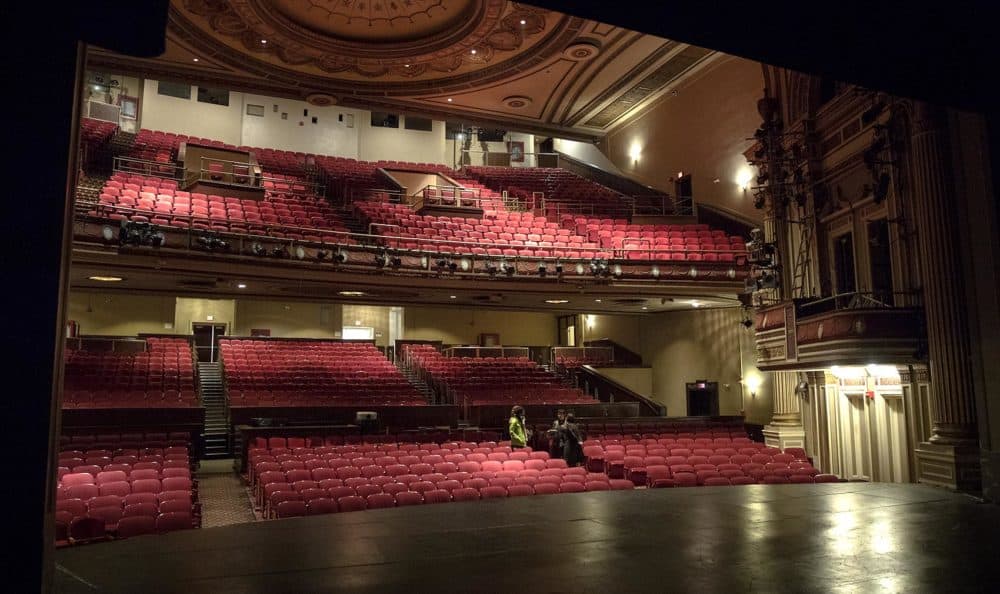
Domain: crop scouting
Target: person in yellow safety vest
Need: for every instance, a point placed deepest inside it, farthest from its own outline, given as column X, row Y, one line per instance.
column 518, row 434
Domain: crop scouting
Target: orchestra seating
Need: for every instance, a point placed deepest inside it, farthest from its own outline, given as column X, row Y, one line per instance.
column 699, row 458
column 300, row 373
column 123, row 485
column 697, row 242
column 499, row 233
column 162, row 376
column 287, row 210
column 302, row 476
column 94, row 133
column 476, row 381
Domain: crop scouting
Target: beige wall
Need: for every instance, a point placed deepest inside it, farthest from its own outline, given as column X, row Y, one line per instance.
column 463, row 326
column 398, row 144
column 622, row 329
column 372, row 316
column 203, row 120
column 289, row 320
column 334, row 133
column 637, row 379
column 684, row 346
column 702, row 131
column 120, row 314
column 190, row 310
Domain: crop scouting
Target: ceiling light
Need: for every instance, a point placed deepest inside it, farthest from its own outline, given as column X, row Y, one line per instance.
column 473, row 52
column 449, row 99
column 452, row 296
column 106, row 279
column 644, row 308
column 695, row 303
column 524, row 22
column 241, row 286
column 406, row 66
column 597, row 300
column 263, row 41
column 351, row 293
column 194, row 59
column 556, row 301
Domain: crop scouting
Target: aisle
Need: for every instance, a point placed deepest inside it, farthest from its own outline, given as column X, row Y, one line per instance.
column 222, row 495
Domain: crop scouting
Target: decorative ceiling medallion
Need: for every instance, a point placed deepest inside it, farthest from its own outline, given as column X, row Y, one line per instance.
column 321, row 99
column 413, row 39
column 517, row 101
column 581, row 50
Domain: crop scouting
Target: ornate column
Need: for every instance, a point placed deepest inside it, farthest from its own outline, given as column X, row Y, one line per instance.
column 785, row 429
column 950, row 457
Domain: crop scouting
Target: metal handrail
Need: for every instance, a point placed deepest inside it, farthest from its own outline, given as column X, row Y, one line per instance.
column 148, row 168
column 367, row 242
column 861, row 300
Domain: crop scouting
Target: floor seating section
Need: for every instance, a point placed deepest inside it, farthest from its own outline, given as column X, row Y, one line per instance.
column 474, row 381
column 117, row 478
column 312, row 373
column 498, row 233
column 697, row 242
column 564, row 191
column 332, row 478
column 94, row 133
column 684, row 459
column 287, row 210
column 162, row 376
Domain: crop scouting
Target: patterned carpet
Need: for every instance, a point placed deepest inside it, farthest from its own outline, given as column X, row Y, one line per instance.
column 222, row 494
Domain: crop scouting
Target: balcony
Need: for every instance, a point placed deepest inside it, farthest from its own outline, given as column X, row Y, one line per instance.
column 846, row 329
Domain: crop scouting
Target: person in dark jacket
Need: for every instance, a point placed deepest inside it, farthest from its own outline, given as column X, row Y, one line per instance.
column 555, row 437
column 572, row 440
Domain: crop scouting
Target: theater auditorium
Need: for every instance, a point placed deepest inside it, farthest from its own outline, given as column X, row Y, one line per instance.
column 314, row 253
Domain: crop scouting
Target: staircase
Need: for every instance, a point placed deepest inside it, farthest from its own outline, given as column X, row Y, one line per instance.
column 213, row 397
column 415, row 381
column 88, row 189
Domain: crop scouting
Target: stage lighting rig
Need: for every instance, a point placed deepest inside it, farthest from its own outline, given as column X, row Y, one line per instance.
column 139, row 233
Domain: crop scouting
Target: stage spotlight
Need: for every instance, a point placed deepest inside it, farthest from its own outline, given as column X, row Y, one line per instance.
column 542, row 270
column 322, row 254
column 300, row 252
column 258, row 249
column 340, row 258
column 559, row 267
column 492, row 268
column 211, row 242
column 441, row 264
column 579, row 269
column 617, row 271
column 466, row 264
column 280, row 252
column 395, row 261
column 381, row 260
column 507, row 268
column 131, row 233
column 452, row 266
column 655, row 272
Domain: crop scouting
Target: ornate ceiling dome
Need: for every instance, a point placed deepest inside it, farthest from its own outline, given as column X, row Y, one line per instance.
column 377, row 21
column 361, row 40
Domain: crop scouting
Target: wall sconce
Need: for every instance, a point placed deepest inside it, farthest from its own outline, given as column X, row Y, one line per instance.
column 635, row 152
column 743, row 178
column 752, row 383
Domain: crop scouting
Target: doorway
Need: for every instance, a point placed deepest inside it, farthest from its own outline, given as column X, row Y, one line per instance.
column 702, row 399
column 206, row 341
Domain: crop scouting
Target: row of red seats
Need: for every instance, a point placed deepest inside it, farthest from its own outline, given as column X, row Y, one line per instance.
column 146, row 442
column 130, row 494
column 558, row 186
column 298, row 373
column 161, row 377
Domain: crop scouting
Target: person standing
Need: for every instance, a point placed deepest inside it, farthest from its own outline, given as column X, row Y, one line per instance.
column 518, row 433
column 555, row 434
column 572, row 440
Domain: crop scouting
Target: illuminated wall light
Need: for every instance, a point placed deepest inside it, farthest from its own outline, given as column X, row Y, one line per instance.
column 848, row 372
column 695, row 303
column 887, row 371
column 743, row 178
column 194, row 59
column 241, row 286
column 449, row 99
column 473, row 52
column 655, row 272
column 752, row 382
column 579, row 269
column 634, row 152
column 524, row 22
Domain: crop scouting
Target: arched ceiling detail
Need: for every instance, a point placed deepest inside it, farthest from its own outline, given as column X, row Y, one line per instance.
column 499, row 61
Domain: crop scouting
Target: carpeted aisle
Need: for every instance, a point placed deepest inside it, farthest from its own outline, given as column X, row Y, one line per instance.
column 222, row 495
